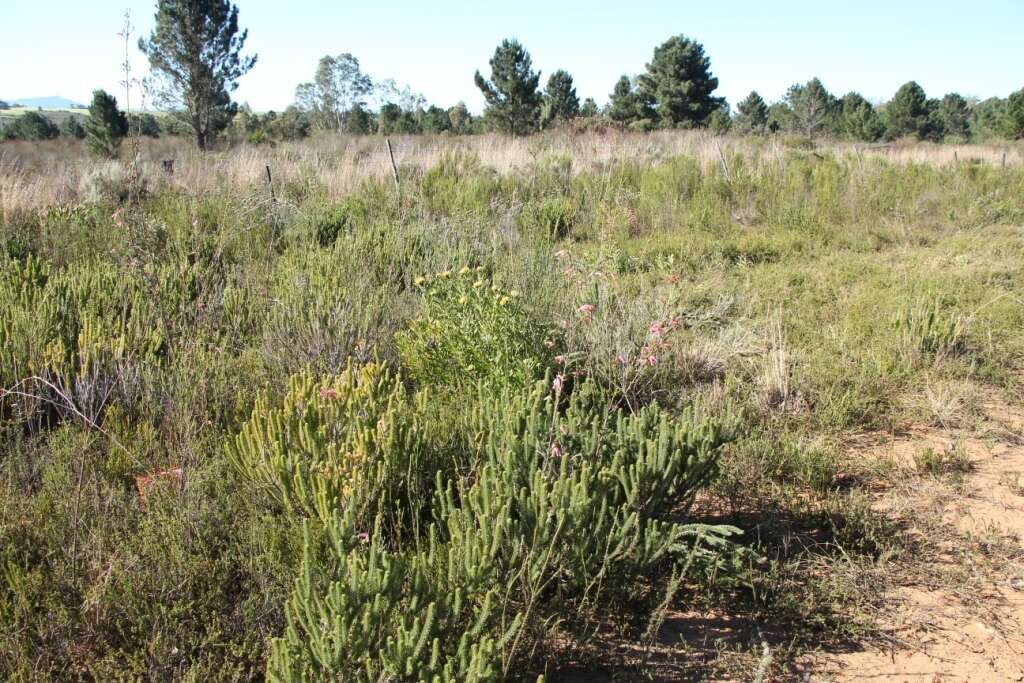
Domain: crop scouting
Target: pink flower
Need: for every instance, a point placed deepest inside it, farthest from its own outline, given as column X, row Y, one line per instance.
column 656, row 330
column 652, row 360
column 560, row 360
column 363, row 537
column 587, row 309
column 556, row 450
column 558, row 382
column 622, row 359
column 328, row 392
column 561, row 253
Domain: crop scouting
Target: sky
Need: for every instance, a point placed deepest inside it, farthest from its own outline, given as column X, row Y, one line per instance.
column 70, row 47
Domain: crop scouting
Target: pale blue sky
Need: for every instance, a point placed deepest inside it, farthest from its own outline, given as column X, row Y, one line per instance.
column 70, row 47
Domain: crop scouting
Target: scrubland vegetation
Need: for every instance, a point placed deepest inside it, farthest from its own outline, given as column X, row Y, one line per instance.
column 505, row 419
column 552, row 393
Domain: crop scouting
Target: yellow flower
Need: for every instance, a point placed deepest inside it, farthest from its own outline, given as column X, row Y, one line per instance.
column 420, row 279
column 504, row 300
column 479, row 283
column 464, row 270
column 479, row 269
column 444, row 273
column 514, row 294
column 462, row 300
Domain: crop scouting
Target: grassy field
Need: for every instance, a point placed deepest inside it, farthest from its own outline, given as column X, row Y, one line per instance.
column 588, row 407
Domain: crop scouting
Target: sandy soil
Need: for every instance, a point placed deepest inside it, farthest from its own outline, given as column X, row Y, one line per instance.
column 964, row 619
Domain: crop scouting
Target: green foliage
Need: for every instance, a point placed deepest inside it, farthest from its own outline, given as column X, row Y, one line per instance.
column 987, row 119
column 567, row 509
column 858, row 119
column 907, row 113
column 78, row 336
column 471, row 330
column 460, row 118
column 1013, row 116
column 627, row 105
column 952, row 117
column 923, row 328
column 513, row 100
column 31, row 126
column 812, row 108
column 146, row 125
column 71, row 127
column 560, row 104
column 652, row 287
column 195, row 49
column 106, row 126
column 752, row 116
column 393, row 119
column 338, row 88
column 353, row 431
column 679, row 84
column 720, row 121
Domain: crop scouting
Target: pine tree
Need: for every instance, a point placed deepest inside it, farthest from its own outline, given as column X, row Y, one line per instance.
column 753, row 114
column 679, row 83
column 953, row 115
column 513, row 100
column 858, row 120
column 107, row 125
column 195, row 49
column 560, row 101
column 1013, row 115
column 589, row 109
column 627, row 105
column 907, row 112
column 813, row 107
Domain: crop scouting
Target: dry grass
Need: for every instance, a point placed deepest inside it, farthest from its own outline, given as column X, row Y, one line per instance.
column 34, row 175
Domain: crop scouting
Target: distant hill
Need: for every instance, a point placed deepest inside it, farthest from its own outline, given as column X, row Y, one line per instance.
column 53, row 102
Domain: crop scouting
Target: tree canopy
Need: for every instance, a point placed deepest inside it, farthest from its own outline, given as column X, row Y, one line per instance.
column 513, row 100
column 196, row 51
column 679, row 84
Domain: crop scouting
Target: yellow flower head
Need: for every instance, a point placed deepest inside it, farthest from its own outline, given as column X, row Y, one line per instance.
column 514, row 294
column 464, row 270
column 504, row 300
column 420, row 280
column 462, row 300
column 479, row 283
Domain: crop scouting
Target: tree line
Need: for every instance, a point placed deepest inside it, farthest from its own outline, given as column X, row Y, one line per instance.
column 196, row 56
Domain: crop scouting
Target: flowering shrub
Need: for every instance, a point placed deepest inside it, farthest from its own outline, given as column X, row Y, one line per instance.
column 471, row 329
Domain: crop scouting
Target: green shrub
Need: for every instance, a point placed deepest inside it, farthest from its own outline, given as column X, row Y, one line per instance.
column 566, row 509
column 471, row 330
column 73, row 339
column 552, row 216
column 354, row 431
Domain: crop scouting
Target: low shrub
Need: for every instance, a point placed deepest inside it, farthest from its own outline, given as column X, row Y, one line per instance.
column 565, row 509
column 472, row 330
